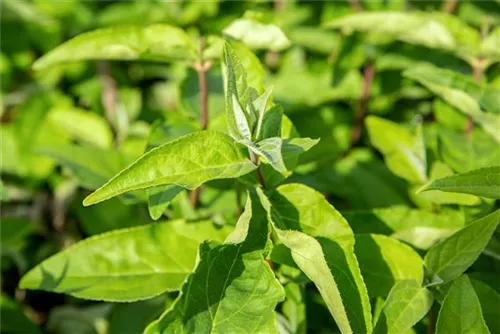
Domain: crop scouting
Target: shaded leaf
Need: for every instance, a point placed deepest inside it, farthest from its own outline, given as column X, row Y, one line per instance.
column 13, row 319
column 419, row 228
column 461, row 311
column 322, row 246
column 385, row 261
column 232, row 288
column 452, row 256
column 458, row 90
column 124, row 265
column 490, row 304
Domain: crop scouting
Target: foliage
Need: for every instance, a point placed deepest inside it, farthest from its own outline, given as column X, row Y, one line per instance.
column 250, row 166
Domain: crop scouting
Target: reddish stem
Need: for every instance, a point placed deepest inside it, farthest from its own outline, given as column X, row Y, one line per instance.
column 368, row 75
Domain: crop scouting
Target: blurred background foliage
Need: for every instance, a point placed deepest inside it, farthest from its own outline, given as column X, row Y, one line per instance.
column 67, row 129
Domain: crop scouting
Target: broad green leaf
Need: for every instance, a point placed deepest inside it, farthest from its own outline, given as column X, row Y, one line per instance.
column 14, row 232
column 257, row 35
column 406, row 304
column 232, row 289
column 429, row 198
column 434, row 30
column 490, row 303
column 481, row 182
column 461, row 311
column 404, row 152
column 125, row 265
column 123, row 43
column 458, row 90
column 322, row 246
column 385, row 261
column 91, row 166
column 452, row 256
column 13, row 319
column 464, row 153
column 188, row 162
column 82, row 125
column 419, row 228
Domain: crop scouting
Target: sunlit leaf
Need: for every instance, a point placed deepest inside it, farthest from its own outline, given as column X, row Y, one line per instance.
column 125, row 265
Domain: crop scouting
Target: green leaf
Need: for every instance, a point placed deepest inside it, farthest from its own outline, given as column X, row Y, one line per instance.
column 434, row 30
column 385, row 261
column 451, row 257
column 461, row 311
column 232, row 289
column 322, row 246
column 123, row 43
column 82, row 125
column 490, row 303
column 159, row 198
column 91, row 166
column 467, row 152
column 90, row 319
column 404, row 152
column 294, row 307
column 125, row 265
column 429, row 198
column 134, row 317
column 13, row 319
column 491, row 44
column 459, row 91
column 188, row 162
column 257, row 35
column 281, row 154
column 406, row 304
column 481, row 182
column 419, row 228
column 238, row 94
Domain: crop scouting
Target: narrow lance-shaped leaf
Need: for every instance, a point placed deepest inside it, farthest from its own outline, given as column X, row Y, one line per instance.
column 233, row 289
column 322, row 245
column 461, row 312
column 406, row 304
column 236, row 89
column 451, row 257
column 125, row 265
column 481, row 182
column 188, row 162
column 158, row 42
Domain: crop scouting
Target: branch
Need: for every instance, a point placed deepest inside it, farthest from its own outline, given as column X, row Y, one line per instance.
column 356, row 5
column 449, row 6
column 368, row 75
